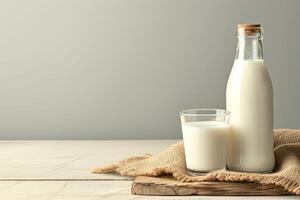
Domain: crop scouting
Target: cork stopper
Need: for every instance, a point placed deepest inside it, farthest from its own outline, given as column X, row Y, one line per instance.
column 249, row 29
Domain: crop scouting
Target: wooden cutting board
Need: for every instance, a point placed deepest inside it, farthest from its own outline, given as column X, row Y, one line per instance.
column 171, row 187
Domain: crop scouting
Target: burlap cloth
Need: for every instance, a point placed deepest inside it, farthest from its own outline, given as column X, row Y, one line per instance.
column 172, row 161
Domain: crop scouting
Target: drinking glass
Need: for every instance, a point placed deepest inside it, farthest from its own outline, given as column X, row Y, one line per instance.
column 205, row 133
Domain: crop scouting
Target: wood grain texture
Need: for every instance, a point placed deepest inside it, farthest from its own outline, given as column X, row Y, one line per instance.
column 59, row 170
column 69, row 160
column 171, row 187
column 92, row 190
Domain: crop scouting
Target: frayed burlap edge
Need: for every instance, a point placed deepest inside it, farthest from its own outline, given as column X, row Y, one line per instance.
column 181, row 175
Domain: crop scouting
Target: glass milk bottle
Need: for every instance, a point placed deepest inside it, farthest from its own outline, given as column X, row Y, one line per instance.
column 249, row 98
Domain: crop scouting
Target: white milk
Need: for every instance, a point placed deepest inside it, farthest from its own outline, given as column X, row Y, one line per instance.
column 205, row 144
column 249, row 98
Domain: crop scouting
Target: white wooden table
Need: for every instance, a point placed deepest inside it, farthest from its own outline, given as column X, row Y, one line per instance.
column 35, row 170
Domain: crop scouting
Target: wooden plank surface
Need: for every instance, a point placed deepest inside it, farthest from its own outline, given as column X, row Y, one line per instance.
column 60, row 190
column 61, row 170
column 68, row 160
column 169, row 186
column 91, row 190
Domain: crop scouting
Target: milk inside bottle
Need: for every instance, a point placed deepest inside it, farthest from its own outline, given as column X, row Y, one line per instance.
column 249, row 98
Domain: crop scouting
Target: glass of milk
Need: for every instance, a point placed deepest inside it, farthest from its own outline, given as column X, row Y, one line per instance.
column 205, row 133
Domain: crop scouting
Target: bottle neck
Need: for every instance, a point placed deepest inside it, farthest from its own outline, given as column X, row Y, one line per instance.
column 249, row 48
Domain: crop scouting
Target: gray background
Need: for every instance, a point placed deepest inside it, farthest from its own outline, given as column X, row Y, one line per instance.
column 87, row 69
